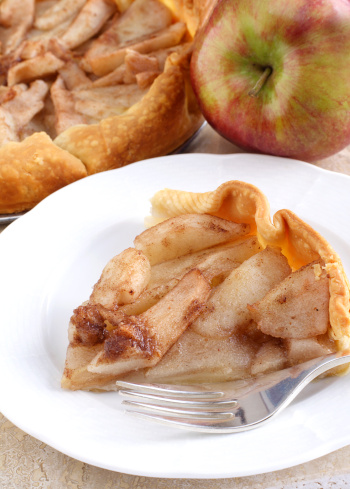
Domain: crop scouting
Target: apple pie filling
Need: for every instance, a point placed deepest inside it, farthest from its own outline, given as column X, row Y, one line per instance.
column 200, row 298
column 65, row 63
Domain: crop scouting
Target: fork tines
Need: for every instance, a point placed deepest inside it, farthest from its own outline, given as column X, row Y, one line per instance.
column 166, row 404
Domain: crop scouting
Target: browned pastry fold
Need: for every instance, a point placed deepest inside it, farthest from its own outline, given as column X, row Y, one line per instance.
column 33, row 169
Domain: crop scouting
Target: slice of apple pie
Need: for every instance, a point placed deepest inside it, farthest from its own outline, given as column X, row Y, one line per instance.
column 97, row 83
column 214, row 291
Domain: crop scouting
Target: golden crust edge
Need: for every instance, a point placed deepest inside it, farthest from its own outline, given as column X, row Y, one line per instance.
column 32, row 169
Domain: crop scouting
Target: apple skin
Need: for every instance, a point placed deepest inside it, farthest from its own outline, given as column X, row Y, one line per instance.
column 303, row 109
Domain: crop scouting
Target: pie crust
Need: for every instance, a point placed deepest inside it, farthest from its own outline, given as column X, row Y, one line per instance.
column 42, row 66
column 244, row 217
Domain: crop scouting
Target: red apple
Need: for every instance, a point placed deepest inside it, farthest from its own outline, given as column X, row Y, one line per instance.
column 273, row 76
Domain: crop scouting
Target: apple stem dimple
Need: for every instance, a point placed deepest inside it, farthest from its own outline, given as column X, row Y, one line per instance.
column 254, row 92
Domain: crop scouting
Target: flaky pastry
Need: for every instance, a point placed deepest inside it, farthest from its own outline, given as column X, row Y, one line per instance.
column 33, row 169
column 213, row 290
column 106, row 80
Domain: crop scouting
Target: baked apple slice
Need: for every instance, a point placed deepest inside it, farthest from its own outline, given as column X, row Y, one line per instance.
column 215, row 264
column 227, row 310
column 186, row 234
column 298, row 307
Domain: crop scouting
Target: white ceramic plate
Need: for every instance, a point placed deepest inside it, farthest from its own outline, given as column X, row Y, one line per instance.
column 51, row 257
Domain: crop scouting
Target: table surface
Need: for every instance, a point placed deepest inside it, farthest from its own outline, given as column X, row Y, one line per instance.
column 28, row 463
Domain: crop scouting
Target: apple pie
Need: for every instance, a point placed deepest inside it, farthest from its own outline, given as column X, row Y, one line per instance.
column 212, row 290
column 91, row 85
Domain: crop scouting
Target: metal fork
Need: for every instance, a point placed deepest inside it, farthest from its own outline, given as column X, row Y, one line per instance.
column 225, row 407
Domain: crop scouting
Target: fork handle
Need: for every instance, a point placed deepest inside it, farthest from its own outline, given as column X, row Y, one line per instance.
column 296, row 378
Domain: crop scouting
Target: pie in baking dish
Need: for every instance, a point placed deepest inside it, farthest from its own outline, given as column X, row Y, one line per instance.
column 90, row 85
column 212, row 291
